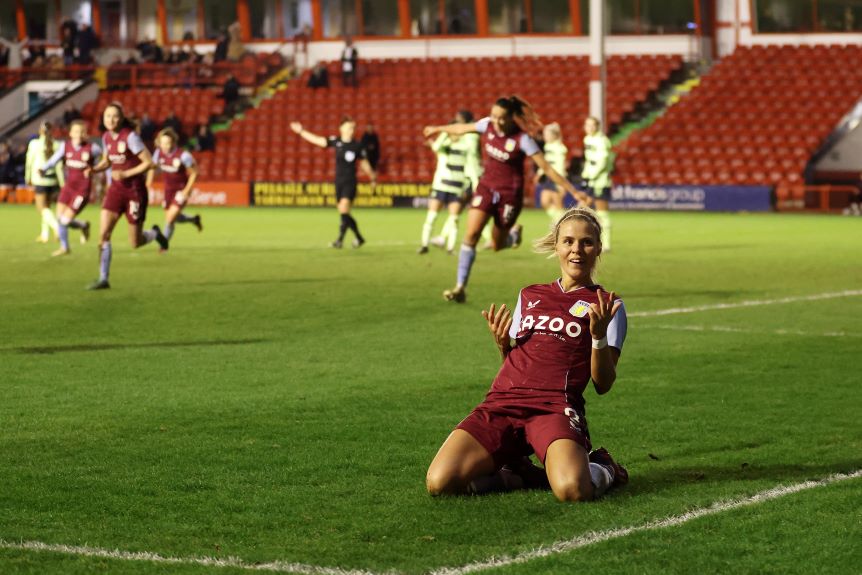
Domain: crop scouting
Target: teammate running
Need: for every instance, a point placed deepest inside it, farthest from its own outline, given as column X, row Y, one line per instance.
column 457, row 172
column 597, row 174
column 506, row 142
column 128, row 160
column 561, row 336
column 550, row 198
column 179, row 176
column 78, row 155
column 347, row 152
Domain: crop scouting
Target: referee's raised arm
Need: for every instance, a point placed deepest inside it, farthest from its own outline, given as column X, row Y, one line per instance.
column 309, row 137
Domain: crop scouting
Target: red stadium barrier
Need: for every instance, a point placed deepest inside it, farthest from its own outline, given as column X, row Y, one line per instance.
column 182, row 75
column 825, row 198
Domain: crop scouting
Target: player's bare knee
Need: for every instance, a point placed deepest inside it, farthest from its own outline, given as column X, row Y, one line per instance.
column 572, row 490
column 439, row 482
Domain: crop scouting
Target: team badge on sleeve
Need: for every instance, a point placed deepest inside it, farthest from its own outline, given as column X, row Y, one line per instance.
column 580, row 309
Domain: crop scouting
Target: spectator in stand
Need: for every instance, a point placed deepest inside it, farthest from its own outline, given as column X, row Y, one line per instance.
column 349, row 60
column 19, row 161
column 319, row 77
column 8, row 178
column 148, row 131
column 151, row 53
column 371, row 143
column 71, row 114
column 231, row 96
column 171, row 121
column 68, row 32
column 14, row 57
column 191, row 55
column 235, row 47
column 4, row 55
column 205, row 139
column 176, row 56
column 85, row 43
column 220, row 54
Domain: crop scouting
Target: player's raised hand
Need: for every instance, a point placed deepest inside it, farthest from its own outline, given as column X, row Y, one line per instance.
column 429, row 131
column 296, row 127
column 499, row 322
column 601, row 314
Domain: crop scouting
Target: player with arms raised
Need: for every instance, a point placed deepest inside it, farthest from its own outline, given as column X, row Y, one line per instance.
column 128, row 160
column 179, row 173
column 78, row 155
column 561, row 336
column 506, row 142
column 347, row 152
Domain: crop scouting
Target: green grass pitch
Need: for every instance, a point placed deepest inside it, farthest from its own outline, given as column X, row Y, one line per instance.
column 253, row 394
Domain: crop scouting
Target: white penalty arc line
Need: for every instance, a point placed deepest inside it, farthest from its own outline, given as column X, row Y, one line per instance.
column 674, row 520
column 746, row 303
column 494, row 562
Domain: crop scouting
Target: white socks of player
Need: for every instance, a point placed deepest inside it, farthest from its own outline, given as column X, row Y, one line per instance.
column 450, row 231
column 601, row 478
column 49, row 221
column 169, row 230
column 430, row 218
column 604, row 217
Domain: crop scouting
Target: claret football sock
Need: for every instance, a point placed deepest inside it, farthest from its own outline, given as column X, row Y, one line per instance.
column 184, row 219
column 77, row 225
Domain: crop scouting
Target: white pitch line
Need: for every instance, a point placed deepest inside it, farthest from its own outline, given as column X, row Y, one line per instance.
column 235, row 562
column 494, row 562
column 599, row 536
column 728, row 329
column 746, row 303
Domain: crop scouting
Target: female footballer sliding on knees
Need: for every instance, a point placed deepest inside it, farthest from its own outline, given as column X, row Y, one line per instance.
column 561, row 336
column 506, row 141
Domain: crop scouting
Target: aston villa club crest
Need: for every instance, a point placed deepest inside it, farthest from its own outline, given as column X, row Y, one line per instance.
column 510, row 145
column 85, row 156
column 176, row 163
column 580, row 309
column 121, row 147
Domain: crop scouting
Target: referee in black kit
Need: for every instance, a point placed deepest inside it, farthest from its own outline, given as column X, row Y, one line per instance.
column 347, row 152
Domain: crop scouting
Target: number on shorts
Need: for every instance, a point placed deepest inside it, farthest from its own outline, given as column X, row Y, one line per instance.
column 134, row 209
column 508, row 210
